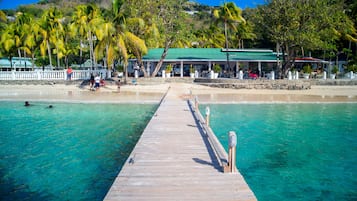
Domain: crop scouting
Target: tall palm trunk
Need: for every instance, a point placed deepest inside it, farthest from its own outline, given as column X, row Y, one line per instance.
column 57, row 50
column 163, row 56
column 49, row 53
column 58, row 59
column 19, row 52
column 106, row 63
column 33, row 60
column 80, row 54
column 91, row 48
column 227, row 54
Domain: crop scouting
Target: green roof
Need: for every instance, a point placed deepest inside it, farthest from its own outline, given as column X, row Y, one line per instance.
column 211, row 54
column 16, row 61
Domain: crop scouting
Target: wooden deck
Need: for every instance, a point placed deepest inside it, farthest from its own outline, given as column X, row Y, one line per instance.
column 173, row 160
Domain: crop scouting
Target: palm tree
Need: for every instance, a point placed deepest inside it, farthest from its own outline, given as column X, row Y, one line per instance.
column 51, row 32
column 20, row 27
column 32, row 39
column 211, row 37
column 80, row 26
column 7, row 43
column 126, row 39
column 3, row 20
column 94, row 20
column 137, row 46
column 228, row 14
column 244, row 32
column 107, row 42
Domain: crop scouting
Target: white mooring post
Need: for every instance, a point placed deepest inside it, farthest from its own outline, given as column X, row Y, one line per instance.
column 232, row 151
column 207, row 115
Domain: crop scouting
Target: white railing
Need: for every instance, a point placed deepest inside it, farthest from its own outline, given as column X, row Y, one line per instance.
column 49, row 75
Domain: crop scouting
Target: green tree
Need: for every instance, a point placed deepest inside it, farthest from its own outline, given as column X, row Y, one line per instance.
column 127, row 26
column 94, row 21
column 32, row 39
column 168, row 18
column 51, row 33
column 7, row 43
column 300, row 25
column 20, row 28
column 211, row 37
column 230, row 15
column 244, row 32
column 3, row 20
column 79, row 25
column 107, row 42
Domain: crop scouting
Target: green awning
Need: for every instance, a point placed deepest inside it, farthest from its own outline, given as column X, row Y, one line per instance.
column 211, row 54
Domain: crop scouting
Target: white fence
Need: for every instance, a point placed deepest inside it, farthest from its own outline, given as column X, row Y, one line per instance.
column 50, row 75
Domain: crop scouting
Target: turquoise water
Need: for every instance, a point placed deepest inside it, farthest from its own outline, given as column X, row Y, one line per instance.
column 293, row 151
column 69, row 152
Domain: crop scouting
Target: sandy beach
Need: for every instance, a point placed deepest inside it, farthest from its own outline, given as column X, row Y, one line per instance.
column 154, row 93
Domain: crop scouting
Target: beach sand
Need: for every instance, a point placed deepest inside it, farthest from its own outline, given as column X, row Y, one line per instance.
column 154, row 93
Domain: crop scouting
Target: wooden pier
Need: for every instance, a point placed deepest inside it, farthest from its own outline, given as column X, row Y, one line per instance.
column 174, row 160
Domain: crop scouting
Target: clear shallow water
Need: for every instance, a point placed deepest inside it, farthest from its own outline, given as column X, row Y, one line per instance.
column 69, row 152
column 293, row 151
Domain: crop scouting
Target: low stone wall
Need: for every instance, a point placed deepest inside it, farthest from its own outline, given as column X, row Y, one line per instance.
column 255, row 84
column 158, row 80
column 219, row 83
column 336, row 82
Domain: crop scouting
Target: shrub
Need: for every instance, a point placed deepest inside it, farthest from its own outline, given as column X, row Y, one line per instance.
column 168, row 68
column 216, row 68
column 192, row 69
column 307, row 69
column 334, row 70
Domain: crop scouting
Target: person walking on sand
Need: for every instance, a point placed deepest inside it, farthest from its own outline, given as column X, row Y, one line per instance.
column 97, row 82
column 69, row 73
column 118, row 84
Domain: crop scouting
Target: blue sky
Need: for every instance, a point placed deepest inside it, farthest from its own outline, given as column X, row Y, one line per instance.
column 9, row 4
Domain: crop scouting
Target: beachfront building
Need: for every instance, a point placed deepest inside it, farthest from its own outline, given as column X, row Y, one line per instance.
column 261, row 62
column 16, row 64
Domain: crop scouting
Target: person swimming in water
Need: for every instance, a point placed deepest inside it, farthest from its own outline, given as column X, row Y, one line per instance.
column 27, row 104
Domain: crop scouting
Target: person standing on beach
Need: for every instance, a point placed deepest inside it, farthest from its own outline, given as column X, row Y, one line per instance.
column 91, row 81
column 69, row 73
column 118, row 84
column 97, row 81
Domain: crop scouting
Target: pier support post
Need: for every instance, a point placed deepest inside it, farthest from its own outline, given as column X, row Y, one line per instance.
column 232, row 151
column 207, row 115
column 196, row 103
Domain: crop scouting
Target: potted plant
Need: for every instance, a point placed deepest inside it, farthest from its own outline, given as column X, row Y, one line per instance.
column 216, row 70
column 168, row 70
column 334, row 72
column 352, row 69
column 192, row 71
column 307, row 71
column 119, row 71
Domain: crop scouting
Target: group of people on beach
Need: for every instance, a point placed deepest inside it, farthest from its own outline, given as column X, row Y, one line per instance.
column 95, row 82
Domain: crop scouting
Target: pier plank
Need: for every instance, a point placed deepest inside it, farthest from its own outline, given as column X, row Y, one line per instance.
column 173, row 161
